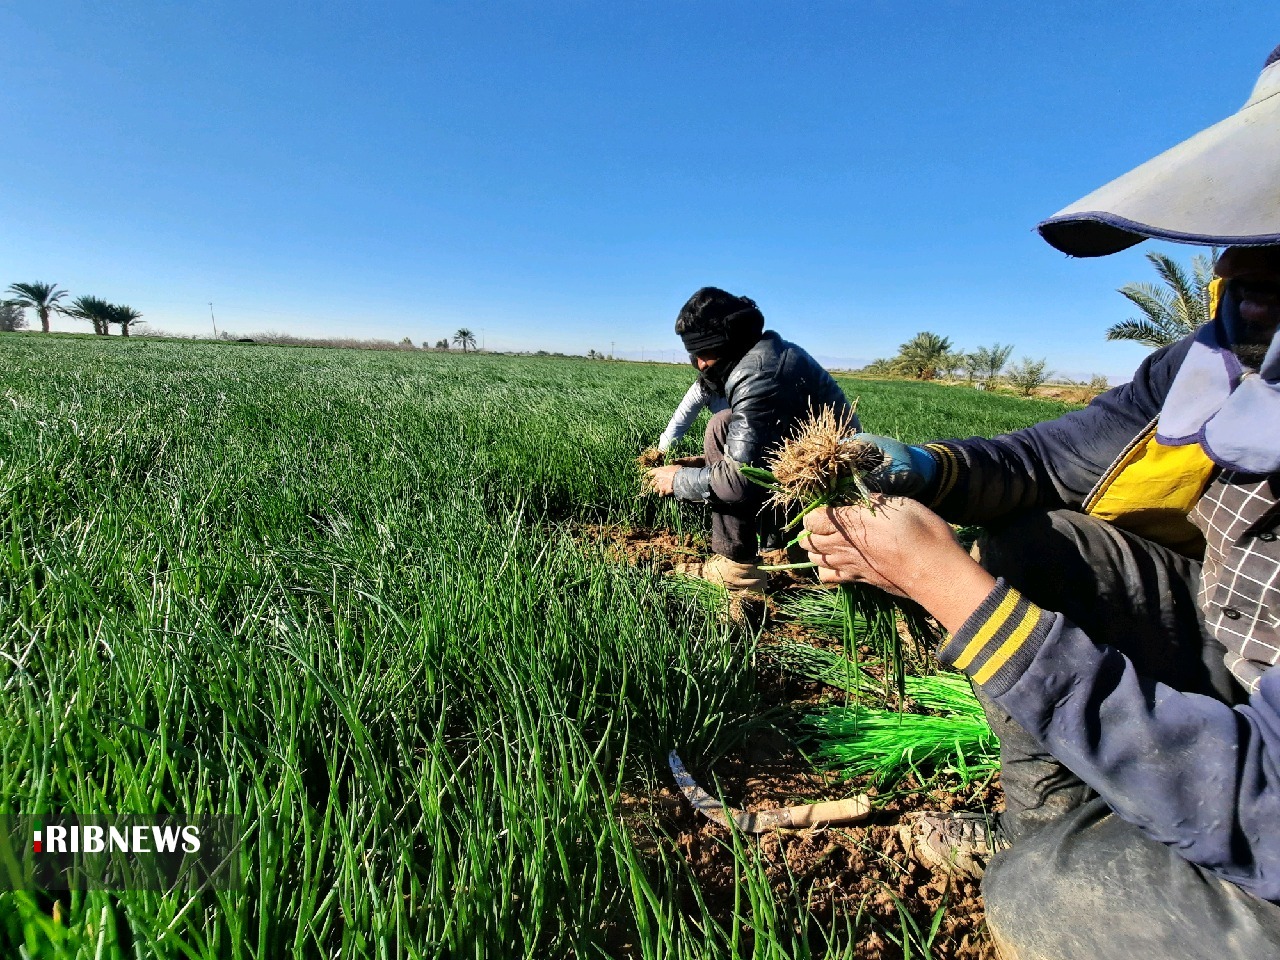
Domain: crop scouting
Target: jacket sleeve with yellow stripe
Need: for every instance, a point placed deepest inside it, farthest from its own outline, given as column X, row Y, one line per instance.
column 1052, row 464
column 1187, row 770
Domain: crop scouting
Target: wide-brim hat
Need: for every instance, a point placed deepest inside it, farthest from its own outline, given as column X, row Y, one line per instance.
column 1220, row 188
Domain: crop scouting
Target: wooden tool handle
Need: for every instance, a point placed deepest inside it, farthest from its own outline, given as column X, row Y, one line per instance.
column 830, row 811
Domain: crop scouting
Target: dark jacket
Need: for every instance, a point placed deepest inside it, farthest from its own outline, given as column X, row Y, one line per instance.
column 1053, row 464
column 1188, row 770
column 770, row 390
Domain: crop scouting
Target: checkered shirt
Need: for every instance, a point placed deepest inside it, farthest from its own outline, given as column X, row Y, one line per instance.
column 1240, row 579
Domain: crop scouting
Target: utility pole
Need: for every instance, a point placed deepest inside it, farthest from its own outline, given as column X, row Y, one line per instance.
column 610, row 349
column 214, row 322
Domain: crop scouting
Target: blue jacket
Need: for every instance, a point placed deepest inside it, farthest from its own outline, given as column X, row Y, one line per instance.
column 1188, row 770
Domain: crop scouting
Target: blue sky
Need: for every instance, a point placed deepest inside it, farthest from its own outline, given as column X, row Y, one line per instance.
column 562, row 175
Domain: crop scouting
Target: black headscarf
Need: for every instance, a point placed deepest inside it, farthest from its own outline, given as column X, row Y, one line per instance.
column 715, row 322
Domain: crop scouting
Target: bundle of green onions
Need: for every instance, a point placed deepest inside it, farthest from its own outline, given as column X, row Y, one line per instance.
column 873, row 620
column 819, row 465
column 888, row 744
column 823, row 465
column 953, row 737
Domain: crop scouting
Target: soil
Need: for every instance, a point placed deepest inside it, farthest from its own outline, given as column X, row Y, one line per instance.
column 847, row 872
column 657, row 550
column 661, row 550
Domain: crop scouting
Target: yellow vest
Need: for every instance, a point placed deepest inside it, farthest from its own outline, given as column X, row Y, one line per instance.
column 1150, row 490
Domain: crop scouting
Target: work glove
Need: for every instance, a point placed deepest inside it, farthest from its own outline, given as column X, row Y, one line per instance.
column 905, row 471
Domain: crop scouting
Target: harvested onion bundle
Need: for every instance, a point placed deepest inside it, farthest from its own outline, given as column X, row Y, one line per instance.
column 823, row 465
column 820, row 465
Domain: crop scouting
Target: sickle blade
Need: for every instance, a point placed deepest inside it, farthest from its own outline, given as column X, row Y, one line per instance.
column 704, row 803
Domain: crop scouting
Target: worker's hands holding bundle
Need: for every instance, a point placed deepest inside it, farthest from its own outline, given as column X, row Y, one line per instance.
column 902, row 547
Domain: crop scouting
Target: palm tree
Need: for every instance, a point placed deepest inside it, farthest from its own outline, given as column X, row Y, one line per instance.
column 949, row 363
column 465, row 338
column 1170, row 312
column 123, row 315
column 41, row 297
column 94, row 309
column 879, row 367
column 991, row 360
column 922, row 355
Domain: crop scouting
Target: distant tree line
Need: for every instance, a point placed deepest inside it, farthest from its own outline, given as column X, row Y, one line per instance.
column 929, row 356
column 1170, row 311
column 463, row 338
column 46, row 300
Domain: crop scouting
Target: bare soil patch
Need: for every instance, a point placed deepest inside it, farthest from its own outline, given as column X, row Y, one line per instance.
column 657, row 550
column 660, row 550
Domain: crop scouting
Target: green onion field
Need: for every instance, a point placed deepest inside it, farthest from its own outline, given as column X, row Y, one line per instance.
column 345, row 595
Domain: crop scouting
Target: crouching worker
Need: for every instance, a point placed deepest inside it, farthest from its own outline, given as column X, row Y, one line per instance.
column 769, row 386
column 1122, row 626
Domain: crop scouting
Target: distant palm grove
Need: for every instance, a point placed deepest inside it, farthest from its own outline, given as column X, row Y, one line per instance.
column 1169, row 313
column 928, row 356
column 46, row 299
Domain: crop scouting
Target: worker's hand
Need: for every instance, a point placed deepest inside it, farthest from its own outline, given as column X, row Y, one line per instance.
column 905, row 471
column 902, row 547
column 890, row 543
column 660, row 479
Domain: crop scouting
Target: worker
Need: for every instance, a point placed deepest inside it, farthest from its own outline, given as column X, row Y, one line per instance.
column 1121, row 622
column 769, row 386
